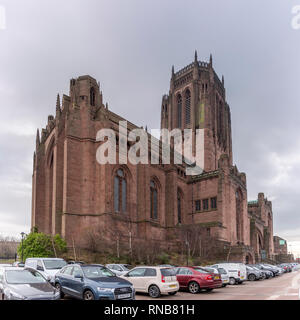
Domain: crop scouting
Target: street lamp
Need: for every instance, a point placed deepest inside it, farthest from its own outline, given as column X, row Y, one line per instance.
column 22, row 235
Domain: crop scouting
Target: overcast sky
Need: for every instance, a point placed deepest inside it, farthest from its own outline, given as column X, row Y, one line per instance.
column 130, row 46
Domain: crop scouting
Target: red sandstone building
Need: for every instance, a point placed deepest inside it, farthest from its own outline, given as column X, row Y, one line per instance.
column 73, row 193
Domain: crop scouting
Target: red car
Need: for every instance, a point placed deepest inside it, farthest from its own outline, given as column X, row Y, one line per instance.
column 195, row 279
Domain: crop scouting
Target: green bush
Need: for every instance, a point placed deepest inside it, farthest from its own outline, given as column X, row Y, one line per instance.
column 38, row 244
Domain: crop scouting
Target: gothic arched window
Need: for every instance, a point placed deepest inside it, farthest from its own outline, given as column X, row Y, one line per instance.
column 153, row 200
column 179, row 207
column 187, row 107
column 179, row 110
column 92, row 96
column 120, row 191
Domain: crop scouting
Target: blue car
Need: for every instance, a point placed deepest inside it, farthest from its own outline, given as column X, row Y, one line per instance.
column 92, row 282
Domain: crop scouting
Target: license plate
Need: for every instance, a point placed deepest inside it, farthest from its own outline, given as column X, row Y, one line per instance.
column 124, row 296
column 226, row 281
column 217, row 278
column 173, row 286
column 242, row 277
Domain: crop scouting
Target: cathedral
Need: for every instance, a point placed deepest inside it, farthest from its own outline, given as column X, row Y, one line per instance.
column 72, row 193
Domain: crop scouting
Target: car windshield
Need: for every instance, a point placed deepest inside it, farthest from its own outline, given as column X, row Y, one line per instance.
column 23, row 277
column 54, row 264
column 93, row 272
column 168, row 272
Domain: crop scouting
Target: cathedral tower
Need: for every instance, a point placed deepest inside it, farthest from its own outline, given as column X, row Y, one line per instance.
column 197, row 100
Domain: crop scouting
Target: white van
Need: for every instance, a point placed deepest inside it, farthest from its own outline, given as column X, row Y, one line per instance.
column 237, row 271
column 48, row 267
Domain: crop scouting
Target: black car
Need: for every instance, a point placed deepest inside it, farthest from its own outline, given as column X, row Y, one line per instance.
column 25, row 284
column 274, row 271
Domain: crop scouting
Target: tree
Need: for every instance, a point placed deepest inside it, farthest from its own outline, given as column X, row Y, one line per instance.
column 38, row 244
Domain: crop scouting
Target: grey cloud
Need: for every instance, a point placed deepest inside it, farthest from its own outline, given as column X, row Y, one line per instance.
column 130, row 46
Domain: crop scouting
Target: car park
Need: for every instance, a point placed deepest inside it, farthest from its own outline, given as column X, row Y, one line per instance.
column 153, row 280
column 18, row 283
column 237, row 271
column 48, row 267
column 92, row 282
column 119, row 269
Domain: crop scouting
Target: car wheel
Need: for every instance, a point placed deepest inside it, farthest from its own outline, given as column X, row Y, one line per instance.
column 58, row 288
column 232, row 281
column 154, row 291
column 88, row 295
column 172, row 293
column 251, row 277
column 194, row 287
column 264, row 276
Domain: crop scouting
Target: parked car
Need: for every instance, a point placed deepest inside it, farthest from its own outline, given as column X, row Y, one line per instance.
column 266, row 274
column 153, row 280
column 92, row 282
column 278, row 271
column 195, row 279
column 18, row 264
column 25, row 284
column 273, row 271
column 253, row 274
column 286, row 267
column 48, row 267
column 119, row 269
column 237, row 271
column 216, row 275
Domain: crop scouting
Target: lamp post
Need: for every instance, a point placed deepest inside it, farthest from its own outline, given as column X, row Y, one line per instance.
column 22, row 234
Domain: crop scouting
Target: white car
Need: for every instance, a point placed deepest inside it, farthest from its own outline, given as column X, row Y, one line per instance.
column 153, row 280
column 48, row 267
column 237, row 272
column 223, row 273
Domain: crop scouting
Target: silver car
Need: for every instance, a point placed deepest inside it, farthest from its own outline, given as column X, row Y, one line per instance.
column 119, row 269
column 25, row 284
column 223, row 273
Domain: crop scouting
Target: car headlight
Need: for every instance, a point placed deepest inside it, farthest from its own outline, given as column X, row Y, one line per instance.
column 106, row 289
column 17, row 296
